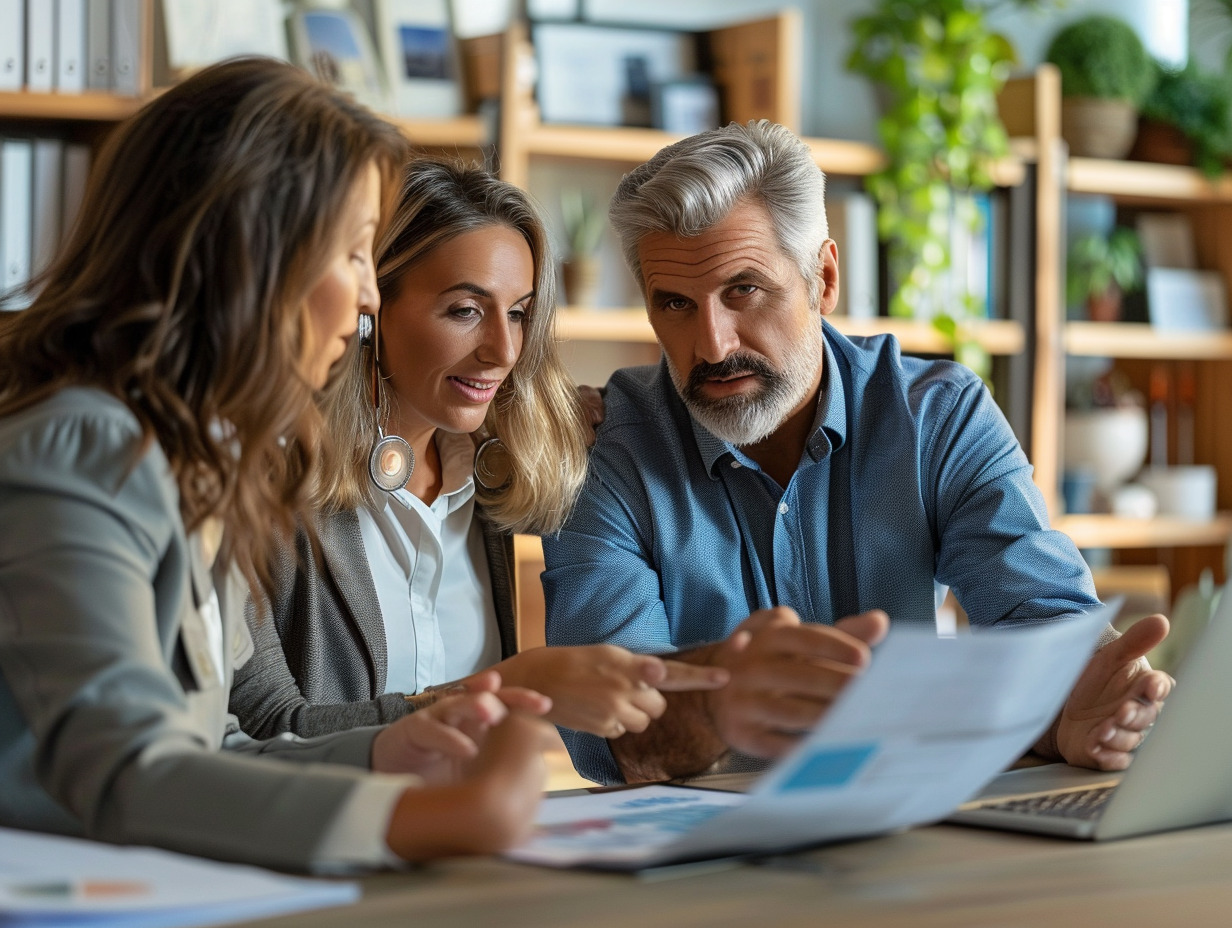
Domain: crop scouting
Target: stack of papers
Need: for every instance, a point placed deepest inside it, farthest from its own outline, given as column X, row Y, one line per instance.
column 917, row 733
column 46, row 880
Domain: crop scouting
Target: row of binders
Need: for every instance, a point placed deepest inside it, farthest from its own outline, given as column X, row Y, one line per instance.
column 42, row 183
column 71, row 46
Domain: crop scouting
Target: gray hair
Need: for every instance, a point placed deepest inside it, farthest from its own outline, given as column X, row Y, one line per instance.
column 693, row 184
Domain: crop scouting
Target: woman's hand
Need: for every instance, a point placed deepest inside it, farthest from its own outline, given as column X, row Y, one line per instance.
column 439, row 739
column 603, row 689
column 492, row 805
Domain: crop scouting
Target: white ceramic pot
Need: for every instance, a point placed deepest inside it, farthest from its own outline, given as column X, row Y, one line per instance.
column 1186, row 492
column 1111, row 443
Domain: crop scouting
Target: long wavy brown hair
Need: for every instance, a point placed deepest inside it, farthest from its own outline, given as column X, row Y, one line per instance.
column 181, row 290
column 536, row 412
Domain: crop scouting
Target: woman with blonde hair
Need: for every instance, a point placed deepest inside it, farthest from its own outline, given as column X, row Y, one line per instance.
column 158, row 435
column 414, row 592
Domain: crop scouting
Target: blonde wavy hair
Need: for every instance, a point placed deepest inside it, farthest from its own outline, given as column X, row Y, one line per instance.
column 182, row 288
column 536, row 412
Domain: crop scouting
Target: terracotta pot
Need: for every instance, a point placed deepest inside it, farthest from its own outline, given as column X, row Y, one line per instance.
column 1106, row 306
column 1159, row 142
column 1095, row 128
column 581, row 279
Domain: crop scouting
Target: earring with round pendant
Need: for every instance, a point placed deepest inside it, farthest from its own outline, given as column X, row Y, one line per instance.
column 493, row 469
column 392, row 460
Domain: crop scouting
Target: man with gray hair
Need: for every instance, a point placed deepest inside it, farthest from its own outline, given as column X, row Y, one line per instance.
column 771, row 493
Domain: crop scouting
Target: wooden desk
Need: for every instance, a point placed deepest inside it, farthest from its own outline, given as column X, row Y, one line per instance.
column 937, row 877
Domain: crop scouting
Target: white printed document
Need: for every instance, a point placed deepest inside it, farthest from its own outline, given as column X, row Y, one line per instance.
column 919, row 732
column 48, row 880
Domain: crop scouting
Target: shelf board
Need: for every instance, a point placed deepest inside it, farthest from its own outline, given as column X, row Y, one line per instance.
column 857, row 159
column 996, row 336
column 455, row 132
column 1140, row 340
column 85, row 107
column 999, row 337
column 1140, row 180
column 853, row 159
column 1101, row 531
column 598, row 143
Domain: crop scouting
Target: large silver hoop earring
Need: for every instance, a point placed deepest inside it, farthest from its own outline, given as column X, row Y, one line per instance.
column 392, row 460
column 493, row 469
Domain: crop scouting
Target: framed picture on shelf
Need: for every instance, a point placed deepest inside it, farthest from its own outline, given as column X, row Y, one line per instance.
column 334, row 44
column 420, row 56
column 199, row 34
column 686, row 106
column 586, row 73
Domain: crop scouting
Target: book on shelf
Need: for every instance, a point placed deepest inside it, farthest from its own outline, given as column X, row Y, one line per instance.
column 16, row 173
column 126, row 47
column 99, row 75
column 46, row 207
column 40, row 46
column 853, row 226
column 70, row 45
column 12, row 44
column 42, row 182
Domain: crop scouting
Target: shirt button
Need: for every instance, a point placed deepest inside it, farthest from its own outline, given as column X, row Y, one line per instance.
column 784, row 509
column 735, row 465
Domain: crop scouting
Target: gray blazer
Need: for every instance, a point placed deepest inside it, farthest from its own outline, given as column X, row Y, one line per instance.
column 319, row 662
column 113, row 721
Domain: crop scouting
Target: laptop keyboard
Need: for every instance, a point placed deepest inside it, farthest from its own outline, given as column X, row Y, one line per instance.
column 1081, row 803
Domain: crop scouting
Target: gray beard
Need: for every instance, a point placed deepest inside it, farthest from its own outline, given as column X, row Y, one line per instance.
column 749, row 419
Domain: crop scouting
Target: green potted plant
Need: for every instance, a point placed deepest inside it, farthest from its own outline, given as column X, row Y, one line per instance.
column 1187, row 119
column 1100, row 269
column 938, row 67
column 584, row 223
column 1106, row 75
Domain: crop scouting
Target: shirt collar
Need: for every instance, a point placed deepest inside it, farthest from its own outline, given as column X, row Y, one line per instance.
column 829, row 423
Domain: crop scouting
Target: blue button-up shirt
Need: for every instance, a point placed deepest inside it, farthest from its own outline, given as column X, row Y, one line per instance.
column 911, row 480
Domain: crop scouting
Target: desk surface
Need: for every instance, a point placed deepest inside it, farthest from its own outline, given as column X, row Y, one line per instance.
column 936, row 877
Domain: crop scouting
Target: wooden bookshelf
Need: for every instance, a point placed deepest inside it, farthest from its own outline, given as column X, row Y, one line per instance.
column 458, row 132
column 1139, row 340
column 1105, row 531
column 1137, row 181
column 72, row 107
column 998, row 337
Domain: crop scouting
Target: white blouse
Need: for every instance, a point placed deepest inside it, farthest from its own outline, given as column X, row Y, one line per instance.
column 432, row 579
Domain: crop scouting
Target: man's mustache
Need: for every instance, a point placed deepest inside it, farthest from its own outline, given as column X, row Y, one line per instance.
column 736, row 365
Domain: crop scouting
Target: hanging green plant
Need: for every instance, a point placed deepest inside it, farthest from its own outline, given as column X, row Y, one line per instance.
column 938, row 67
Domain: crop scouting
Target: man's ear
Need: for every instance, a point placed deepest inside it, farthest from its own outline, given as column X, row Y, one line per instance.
column 827, row 277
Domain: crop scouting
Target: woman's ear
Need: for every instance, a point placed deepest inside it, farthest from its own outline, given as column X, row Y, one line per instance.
column 827, row 277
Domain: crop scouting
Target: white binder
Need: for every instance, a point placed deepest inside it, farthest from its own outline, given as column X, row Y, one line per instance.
column 16, row 170
column 126, row 46
column 12, row 44
column 40, row 45
column 70, row 22
column 47, row 210
column 100, row 75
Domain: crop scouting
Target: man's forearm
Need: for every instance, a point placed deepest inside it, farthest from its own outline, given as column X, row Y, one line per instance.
column 681, row 742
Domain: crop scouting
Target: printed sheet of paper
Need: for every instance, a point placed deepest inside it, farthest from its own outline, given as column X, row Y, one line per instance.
column 50, row 880
column 924, row 728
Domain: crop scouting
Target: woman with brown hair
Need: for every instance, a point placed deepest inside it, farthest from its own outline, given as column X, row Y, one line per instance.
column 414, row 593
column 158, row 433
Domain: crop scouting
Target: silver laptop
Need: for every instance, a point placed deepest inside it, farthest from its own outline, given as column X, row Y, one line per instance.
column 1181, row 776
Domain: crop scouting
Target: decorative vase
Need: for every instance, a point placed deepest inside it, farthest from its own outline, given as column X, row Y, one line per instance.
column 1097, row 128
column 1111, row 443
column 581, row 279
